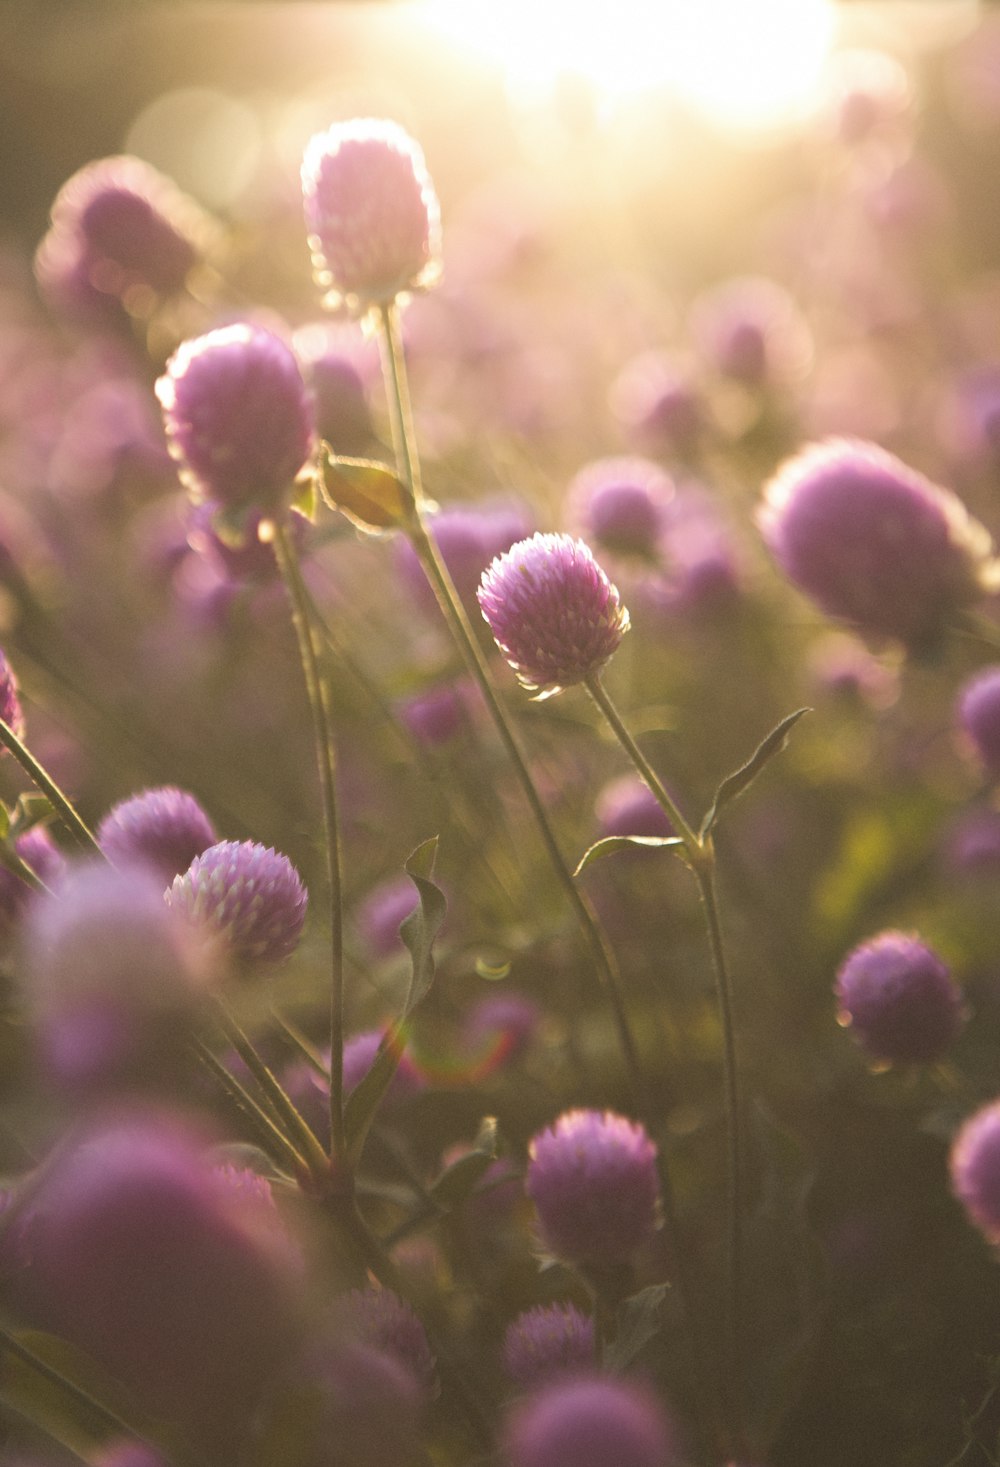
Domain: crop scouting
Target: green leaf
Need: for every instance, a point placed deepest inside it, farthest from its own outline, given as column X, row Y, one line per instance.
column 365, row 1098
column 305, row 498
column 734, row 784
column 640, row 1319
column 32, row 809
column 460, row 1179
column 5, row 821
column 612, row 843
column 369, row 493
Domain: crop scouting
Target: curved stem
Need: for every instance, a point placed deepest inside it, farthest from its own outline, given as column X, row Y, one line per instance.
column 42, row 780
column 454, row 613
column 288, row 563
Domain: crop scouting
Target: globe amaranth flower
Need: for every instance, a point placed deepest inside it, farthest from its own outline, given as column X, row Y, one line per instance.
column 381, row 1319
column 248, row 895
column 590, row 1421
column 238, row 417
column 36, row 848
column 875, row 543
column 553, row 612
column 371, row 213
column 619, row 504
column 547, row 1341
column 975, row 1170
column 593, row 1180
column 131, row 1246
column 164, row 828
column 899, row 1000
column 979, row 716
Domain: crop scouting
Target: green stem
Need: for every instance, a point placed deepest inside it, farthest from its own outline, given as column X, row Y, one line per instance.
column 454, row 613
column 271, row 1136
column 700, row 855
column 42, row 780
column 298, row 595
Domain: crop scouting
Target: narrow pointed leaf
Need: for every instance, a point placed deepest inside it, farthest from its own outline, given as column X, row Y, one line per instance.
column 305, row 498
column 612, row 843
column 420, row 928
column 640, row 1319
column 460, row 1179
column 734, row 784
column 370, row 494
column 32, row 809
column 366, row 1097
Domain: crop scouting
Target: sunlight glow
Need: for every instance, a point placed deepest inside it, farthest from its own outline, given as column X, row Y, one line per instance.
column 745, row 63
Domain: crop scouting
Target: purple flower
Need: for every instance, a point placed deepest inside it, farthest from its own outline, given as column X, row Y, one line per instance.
column 658, row 401
column 468, row 538
column 130, row 227
column 381, row 1319
column 435, row 715
column 590, row 1421
column 36, row 849
column 364, row 1407
column 131, row 1246
column 359, row 1056
column 371, row 213
column 627, row 806
column 619, row 503
column 547, row 1341
column 553, row 612
column 899, row 999
column 248, row 895
column 975, row 1170
column 593, row 1180
column 752, row 330
column 10, row 701
column 506, row 1022
column 238, row 416
column 874, row 542
column 165, row 828
column 979, row 715
column 383, row 911
column 972, row 844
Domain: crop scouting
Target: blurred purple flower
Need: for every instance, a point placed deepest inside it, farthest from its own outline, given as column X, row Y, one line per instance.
column 975, row 1170
column 618, row 503
column 899, row 1000
column 659, row 403
column 381, row 1319
column 751, row 330
column 979, row 716
column 164, row 828
column 385, row 907
column 590, row 1421
column 468, row 538
column 548, row 1341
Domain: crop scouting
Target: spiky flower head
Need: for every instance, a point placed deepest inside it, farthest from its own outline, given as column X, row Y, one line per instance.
column 547, row 1341
column 163, row 828
column 248, row 895
column 371, row 213
column 979, row 715
column 875, row 543
column 899, row 999
column 10, row 699
column 592, row 1177
column 381, row 1319
column 590, row 1421
column 975, row 1169
column 553, row 612
column 238, row 417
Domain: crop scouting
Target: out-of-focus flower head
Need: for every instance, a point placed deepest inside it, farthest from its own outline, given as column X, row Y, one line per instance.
column 619, row 503
column 751, row 330
column 164, row 828
column 590, row 1419
column 979, row 716
column 660, row 404
column 627, row 806
column 435, row 715
column 238, row 416
column 371, row 213
column 554, row 614
column 246, row 895
column 899, row 1000
column 873, row 542
column 468, row 538
column 381, row 1319
column 548, row 1341
column 975, row 1170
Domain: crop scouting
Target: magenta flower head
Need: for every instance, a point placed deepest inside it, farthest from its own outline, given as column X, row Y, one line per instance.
column 36, row 849
column 593, row 1180
column 875, row 543
column 590, row 1421
column 248, row 896
column 130, row 226
column 899, row 1000
column 975, row 1170
column 165, row 828
column 131, row 1246
column 547, row 1341
column 979, row 716
column 627, row 806
column 619, row 502
column 10, row 699
column 382, row 1320
column 238, row 416
column 553, row 612
column 371, row 213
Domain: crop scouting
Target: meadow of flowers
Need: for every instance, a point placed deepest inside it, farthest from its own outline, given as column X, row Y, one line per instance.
column 500, row 832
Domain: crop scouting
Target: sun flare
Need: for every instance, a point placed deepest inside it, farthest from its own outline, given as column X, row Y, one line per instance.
column 744, row 63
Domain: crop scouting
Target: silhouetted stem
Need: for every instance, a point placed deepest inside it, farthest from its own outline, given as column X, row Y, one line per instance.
column 43, row 781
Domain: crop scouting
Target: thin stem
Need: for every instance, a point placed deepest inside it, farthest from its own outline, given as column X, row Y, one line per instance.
column 271, row 1137
column 454, row 613
column 298, row 595
column 42, row 780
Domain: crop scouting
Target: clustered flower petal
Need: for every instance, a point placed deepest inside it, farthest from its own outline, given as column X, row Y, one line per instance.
column 592, row 1177
column 248, row 895
column 899, row 999
column 874, row 542
column 371, row 213
column 547, row 1341
column 164, row 828
column 553, row 612
column 238, row 416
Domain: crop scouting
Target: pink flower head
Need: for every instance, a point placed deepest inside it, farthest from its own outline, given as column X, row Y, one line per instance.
column 975, row 1170
column 547, row 1341
column 238, row 416
column 593, row 1180
column 165, row 828
column 619, row 504
column 590, row 1421
column 979, row 715
column 899, row 999
column 371, row 213
column 248, row 895
column 553, row 612
column 873, row 542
